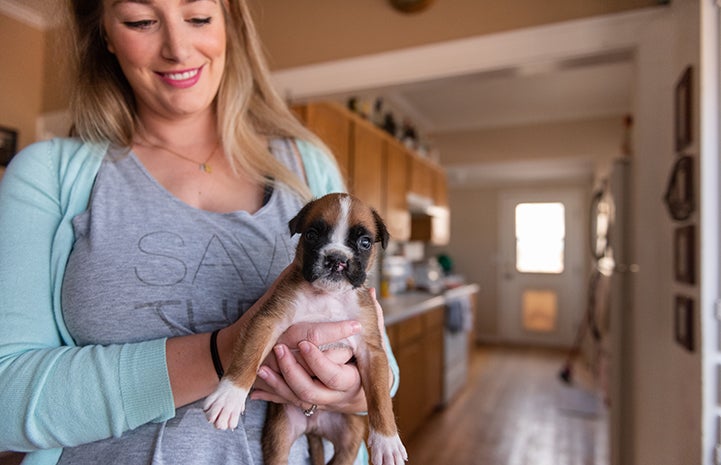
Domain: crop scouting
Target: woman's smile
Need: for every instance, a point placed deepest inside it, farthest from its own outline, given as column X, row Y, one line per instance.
column 182, row 79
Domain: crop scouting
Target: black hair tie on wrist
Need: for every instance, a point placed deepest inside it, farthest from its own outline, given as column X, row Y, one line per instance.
column 214, row 354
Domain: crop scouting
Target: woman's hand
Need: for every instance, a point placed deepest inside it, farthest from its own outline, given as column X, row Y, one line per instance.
column 307, row 376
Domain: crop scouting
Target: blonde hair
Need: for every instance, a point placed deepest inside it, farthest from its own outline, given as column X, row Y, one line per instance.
column 248, row 107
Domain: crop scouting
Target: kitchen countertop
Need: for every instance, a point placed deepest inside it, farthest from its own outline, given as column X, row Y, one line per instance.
column 399, row 307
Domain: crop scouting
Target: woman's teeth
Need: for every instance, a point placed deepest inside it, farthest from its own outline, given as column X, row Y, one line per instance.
column 182, row 76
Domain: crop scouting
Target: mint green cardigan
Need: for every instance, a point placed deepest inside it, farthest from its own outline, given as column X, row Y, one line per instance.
column 45, row 379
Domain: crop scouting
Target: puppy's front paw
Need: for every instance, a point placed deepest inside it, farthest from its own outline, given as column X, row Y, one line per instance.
column 224, row 407
column 386, row 450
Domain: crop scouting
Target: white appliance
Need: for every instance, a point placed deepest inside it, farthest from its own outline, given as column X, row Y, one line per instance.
column 458, row 324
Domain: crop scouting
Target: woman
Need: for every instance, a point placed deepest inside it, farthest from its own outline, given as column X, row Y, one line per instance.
column 164, row 221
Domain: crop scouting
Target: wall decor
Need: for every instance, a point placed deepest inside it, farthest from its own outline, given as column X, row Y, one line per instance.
column 684, row 254
column 683, row 110
column 8, row 144
column 683, row 323
column 679, row 196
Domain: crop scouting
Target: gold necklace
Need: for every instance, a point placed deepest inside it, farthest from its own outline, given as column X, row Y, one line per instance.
column 203, row 166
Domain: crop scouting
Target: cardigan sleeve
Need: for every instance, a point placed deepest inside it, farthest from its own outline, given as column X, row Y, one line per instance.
column 53, row 394
column 321, row 170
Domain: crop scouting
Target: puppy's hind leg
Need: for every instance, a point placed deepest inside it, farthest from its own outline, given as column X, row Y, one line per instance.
column 347, row 439
column 280, row 431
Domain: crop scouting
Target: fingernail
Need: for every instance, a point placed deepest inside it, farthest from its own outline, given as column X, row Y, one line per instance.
column 355, row 326
column 263, row 373
column 304, row 346
column 279, row 351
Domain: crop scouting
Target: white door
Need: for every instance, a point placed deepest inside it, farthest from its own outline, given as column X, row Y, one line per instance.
column 542, row 269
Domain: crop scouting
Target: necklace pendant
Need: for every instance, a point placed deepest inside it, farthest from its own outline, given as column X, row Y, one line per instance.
column 204, row 167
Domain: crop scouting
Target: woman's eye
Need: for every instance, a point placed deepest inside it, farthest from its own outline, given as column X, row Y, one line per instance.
column 365, row 243
column 200, row 21
column 142, row 24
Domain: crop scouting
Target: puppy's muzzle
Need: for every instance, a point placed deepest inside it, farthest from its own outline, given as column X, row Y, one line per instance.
column 335, row 262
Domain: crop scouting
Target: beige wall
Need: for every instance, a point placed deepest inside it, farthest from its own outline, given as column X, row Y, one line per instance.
column 298, row 32
column 21, row 77
column 56, row 86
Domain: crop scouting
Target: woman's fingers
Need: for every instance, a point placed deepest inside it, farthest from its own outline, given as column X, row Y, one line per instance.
column 334, row 375
column 319, row 333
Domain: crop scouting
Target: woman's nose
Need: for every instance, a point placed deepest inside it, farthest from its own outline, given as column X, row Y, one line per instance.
column 175, row 44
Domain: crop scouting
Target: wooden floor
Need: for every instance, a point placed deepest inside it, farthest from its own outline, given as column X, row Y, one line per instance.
column 516, row 411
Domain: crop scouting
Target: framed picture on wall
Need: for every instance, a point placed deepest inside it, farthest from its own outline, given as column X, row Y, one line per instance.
column 684, row 322
column 683, row 110
column 684, row 254
column 8, row 144
column 679, row 196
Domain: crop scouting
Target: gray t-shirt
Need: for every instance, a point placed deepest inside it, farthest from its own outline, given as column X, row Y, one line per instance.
column 145, row 265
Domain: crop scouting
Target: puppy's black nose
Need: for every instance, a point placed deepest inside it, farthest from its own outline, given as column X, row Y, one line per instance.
column 335, row 262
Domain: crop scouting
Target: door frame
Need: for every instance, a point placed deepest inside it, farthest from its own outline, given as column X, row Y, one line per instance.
column 570, row 284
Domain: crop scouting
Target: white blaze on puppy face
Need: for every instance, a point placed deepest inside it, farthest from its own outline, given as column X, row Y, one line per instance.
column 340, row 232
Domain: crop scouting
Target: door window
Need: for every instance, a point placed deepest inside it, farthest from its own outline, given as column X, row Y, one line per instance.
column 540, row 237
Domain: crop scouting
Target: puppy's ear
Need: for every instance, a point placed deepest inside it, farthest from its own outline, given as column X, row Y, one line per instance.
column 382, row 234
column 296, row 223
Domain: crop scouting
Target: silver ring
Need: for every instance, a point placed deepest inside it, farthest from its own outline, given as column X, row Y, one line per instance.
column 310, row 411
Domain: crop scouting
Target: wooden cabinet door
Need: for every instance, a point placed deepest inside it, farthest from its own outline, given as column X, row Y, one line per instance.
column 367, row 166
column 411, row 392
column 421, row 177
column 433, row 356
column 397, row 216
column 440, row 187
column 333, row 126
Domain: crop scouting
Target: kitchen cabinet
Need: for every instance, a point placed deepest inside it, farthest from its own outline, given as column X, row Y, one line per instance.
column 433, row 227
column 367, row 165
column 379, row 169
column 417, row 343
column 421, row 177
column 397, row 216
column 440, row 187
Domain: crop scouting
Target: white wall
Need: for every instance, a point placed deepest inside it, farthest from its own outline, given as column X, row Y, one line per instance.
column 666, row 383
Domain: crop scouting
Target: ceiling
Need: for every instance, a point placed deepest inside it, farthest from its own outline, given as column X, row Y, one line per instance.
column 580, row 88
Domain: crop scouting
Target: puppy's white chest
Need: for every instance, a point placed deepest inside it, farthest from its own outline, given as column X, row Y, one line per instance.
column 315, row 307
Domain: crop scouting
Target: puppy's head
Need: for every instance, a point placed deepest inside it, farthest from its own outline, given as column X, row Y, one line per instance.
column 337, row 243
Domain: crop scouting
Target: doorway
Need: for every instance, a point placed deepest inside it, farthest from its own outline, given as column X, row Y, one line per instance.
column 542, row 267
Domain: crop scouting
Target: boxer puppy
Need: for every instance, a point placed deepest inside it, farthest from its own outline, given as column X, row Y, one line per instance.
column 325, row 283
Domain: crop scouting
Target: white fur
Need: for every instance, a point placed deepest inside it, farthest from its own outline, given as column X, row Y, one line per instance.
column 225, row 406
column 341, row 227
column 386, row 450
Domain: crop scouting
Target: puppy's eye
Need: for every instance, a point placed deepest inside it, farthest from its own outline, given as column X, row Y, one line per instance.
column 365, row 243
column 311, row 235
